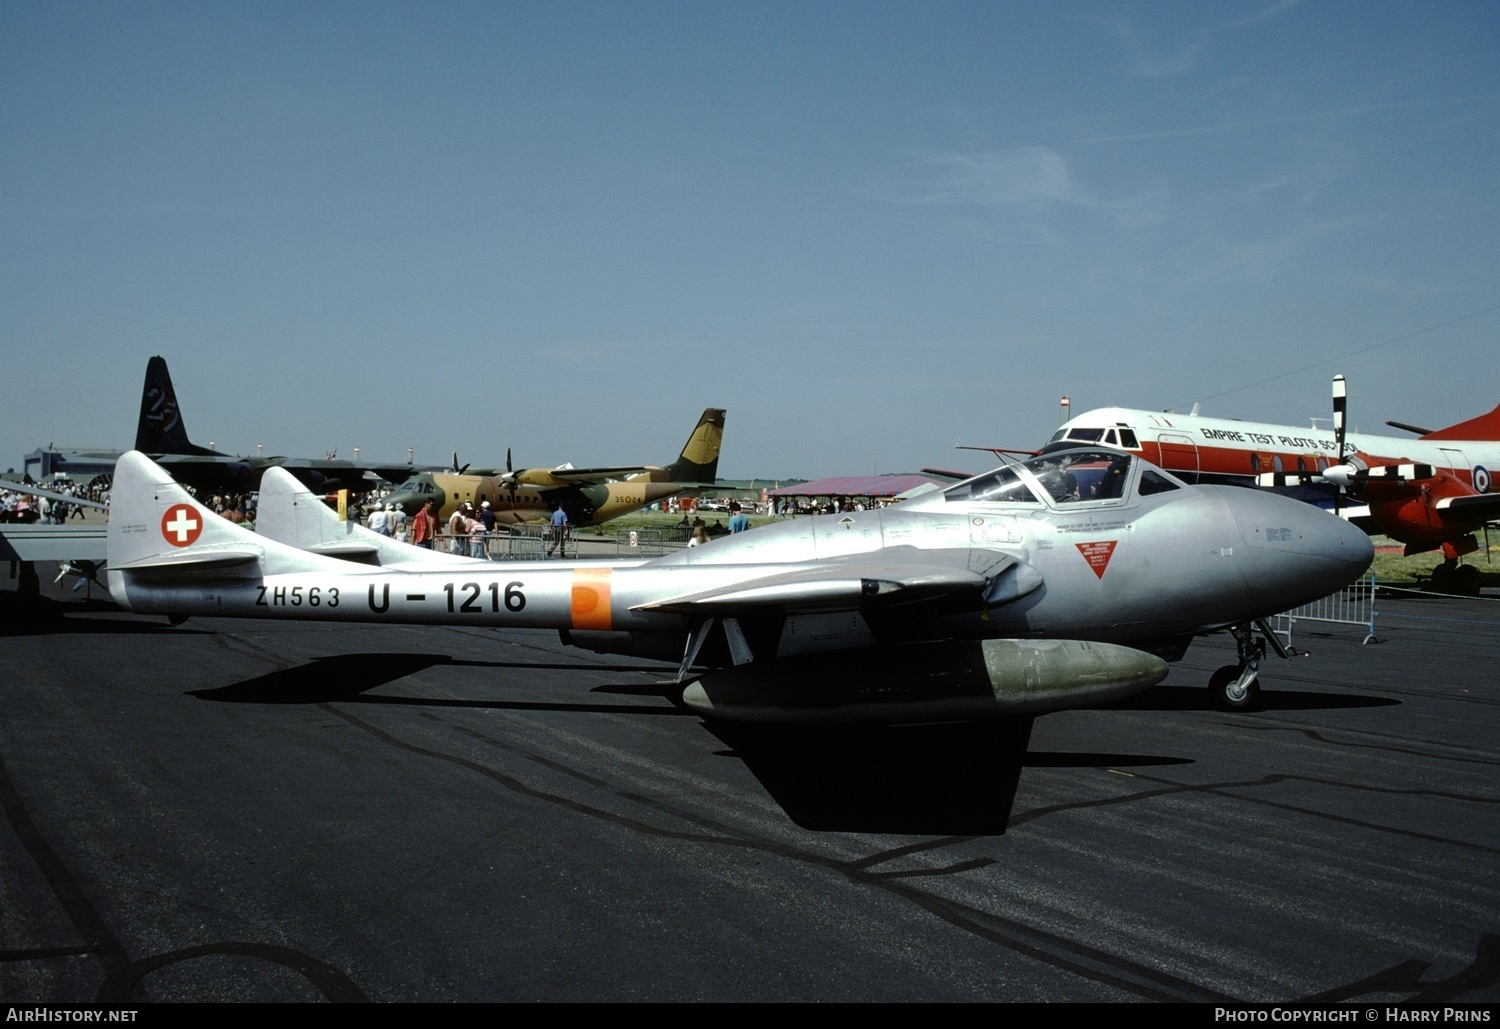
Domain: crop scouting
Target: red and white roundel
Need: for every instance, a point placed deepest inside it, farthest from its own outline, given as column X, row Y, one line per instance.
column 181, row 525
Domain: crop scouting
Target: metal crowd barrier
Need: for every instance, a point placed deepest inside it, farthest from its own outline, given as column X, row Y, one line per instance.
column 1352, row 605
column 529, row 542
column 642, row 543
column 522, row 543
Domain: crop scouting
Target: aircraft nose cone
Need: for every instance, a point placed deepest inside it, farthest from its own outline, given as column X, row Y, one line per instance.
column 406, row 501
column 1298, row 552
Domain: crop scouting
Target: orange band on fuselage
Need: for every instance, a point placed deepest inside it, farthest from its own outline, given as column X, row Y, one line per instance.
column 591, row 598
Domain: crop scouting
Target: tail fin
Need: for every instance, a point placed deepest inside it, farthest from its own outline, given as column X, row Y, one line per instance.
column 1486, row 426
column 160, row 429
column 699, row 460
column 290, row 513
column 158, row 532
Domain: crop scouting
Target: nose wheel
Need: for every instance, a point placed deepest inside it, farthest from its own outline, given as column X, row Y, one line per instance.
column 1237, row 687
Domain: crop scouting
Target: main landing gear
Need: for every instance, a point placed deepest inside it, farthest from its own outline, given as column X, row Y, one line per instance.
column 1236, row 687
column 1452, row 577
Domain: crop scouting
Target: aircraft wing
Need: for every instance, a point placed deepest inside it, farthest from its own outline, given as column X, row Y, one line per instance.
column 596, row 474
column 401, row 472
column 893, row 577
column 1480, row 507
column 43, row 542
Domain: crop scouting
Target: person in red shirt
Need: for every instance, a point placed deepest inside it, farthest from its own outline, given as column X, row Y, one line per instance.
column 424, row 527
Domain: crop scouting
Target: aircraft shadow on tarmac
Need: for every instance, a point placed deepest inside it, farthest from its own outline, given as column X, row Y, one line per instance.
column 957, row 779
column 1194, row 698
column 951, row 779
column 47, row 619
column 348, row 678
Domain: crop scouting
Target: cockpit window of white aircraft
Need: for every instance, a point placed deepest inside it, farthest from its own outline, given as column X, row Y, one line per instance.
column 1069, row 477
column 1114, row 436
column 1079, row 434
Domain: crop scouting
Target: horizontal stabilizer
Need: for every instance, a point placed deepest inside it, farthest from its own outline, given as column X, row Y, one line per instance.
column 189, row 561
column 346, row 551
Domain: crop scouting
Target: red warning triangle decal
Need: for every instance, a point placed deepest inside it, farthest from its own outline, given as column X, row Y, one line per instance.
column 1097, row 554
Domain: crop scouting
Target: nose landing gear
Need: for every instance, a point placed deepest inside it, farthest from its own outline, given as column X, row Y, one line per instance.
column 1237, row 687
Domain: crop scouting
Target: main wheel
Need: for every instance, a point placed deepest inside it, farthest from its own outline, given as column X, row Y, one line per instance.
column 1442, row 578
column 1466, row 581
column 1226, row 697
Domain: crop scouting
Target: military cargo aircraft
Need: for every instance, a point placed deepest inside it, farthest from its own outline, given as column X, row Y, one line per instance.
column 1046, row 584
column 1430, row 493
column 588, row 495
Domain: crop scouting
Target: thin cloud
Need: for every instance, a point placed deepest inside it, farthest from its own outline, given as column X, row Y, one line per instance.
column 1149, row 58
column 1312, row 117
column 1022, row 176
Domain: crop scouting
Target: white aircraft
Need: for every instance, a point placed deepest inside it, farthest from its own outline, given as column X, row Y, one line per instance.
column 1044, row 585
column 1430, row 493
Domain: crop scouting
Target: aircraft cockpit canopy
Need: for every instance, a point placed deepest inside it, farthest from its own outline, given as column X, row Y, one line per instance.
column 417, row 485
column 1110, row 435
column 1069, row 476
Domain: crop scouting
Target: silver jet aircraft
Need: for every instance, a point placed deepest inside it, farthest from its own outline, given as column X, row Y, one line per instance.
column 1047, row 584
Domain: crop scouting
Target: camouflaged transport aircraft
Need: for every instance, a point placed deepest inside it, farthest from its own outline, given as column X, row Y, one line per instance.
column 588, row 495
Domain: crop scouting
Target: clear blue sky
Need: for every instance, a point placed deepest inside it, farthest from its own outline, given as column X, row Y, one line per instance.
column 869, row 230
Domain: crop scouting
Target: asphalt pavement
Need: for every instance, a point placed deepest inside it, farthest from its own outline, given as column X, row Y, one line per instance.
column 238, row 810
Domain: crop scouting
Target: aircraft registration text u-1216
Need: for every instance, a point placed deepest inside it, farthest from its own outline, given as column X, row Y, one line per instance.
column 1430, row 493
column 1047, row 584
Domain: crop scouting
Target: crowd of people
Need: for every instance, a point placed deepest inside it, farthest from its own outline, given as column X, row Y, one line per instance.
column 25, row 509
column 467, row 532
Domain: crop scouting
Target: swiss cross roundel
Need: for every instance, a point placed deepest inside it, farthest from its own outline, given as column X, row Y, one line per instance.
column 181, row 525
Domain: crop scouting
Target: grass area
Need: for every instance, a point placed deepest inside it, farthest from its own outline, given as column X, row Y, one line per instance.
column 657, row 520
column 1390, row 566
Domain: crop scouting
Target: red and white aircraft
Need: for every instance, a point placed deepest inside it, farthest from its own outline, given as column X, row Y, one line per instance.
column 1430, row 493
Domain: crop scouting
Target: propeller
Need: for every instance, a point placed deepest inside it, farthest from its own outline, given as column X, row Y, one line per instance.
column 1350, row 472
column 509, row 478
column 86, row 571
column 1341, row 473
column 456, row 469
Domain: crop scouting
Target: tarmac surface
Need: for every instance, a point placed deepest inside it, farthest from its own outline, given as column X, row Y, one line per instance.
column 238, row 810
